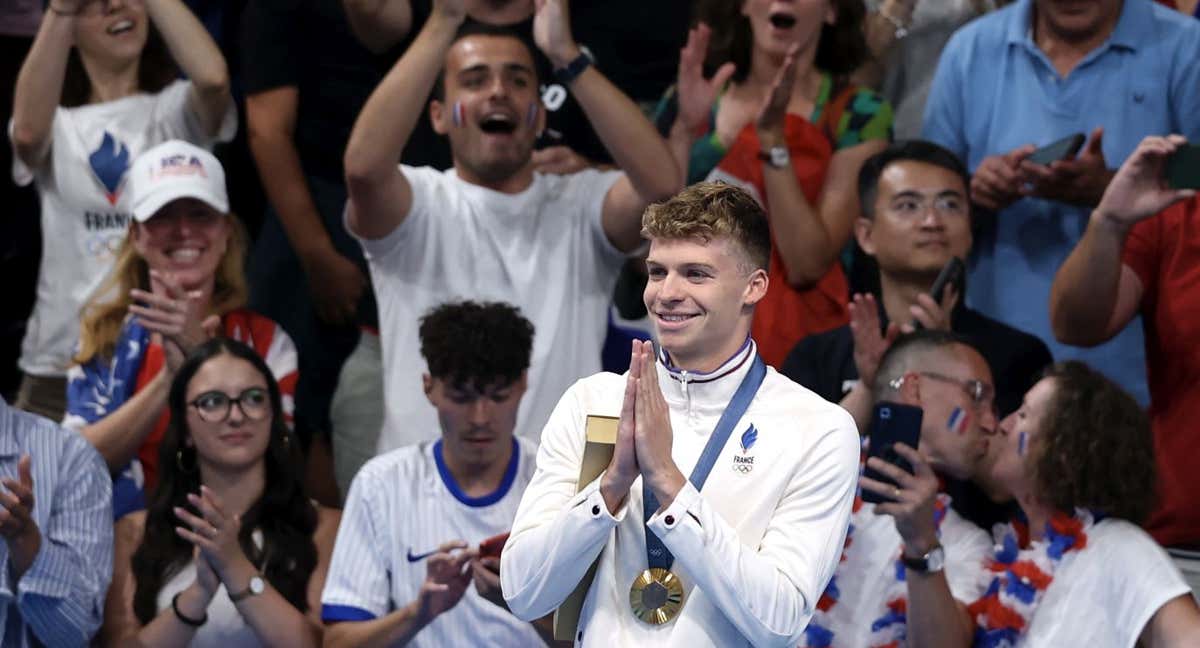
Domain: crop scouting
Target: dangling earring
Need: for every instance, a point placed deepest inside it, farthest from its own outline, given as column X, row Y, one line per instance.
column 179, row 463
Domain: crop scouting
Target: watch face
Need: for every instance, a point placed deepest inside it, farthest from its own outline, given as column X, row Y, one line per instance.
column 779, row 156
column 257, row 586
column 936, row 559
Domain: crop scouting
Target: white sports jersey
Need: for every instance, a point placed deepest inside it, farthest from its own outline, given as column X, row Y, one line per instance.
column 403, row 505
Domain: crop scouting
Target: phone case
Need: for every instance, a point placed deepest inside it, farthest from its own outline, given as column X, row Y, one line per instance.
column 1183, row 168
column 891, row 423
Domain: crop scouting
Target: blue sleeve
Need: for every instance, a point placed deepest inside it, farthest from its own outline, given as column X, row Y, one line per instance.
column 101, row 385
column 61, row 595
column 945, row 109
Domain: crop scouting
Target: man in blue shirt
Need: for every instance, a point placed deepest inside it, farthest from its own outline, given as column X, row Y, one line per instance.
column 56, row 523
column 1031, row 74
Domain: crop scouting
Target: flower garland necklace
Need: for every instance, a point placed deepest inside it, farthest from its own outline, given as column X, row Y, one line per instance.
column 1022, row 575
column 890, row 629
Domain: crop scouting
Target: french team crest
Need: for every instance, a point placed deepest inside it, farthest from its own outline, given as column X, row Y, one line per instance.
column 743, row 462
column 109, row 164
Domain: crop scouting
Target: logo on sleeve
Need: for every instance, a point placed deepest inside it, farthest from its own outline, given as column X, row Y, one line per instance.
column 109, row 164
column 743, row 462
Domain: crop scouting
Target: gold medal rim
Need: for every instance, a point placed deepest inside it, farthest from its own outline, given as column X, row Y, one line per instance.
column 670, row 609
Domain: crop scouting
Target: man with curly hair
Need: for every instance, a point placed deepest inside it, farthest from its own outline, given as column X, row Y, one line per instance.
column 409, row 544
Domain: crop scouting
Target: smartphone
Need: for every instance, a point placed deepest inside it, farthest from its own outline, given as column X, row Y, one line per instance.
column 1183, row 167
column 891, row 423
column 493, row 546
column 1064, row 148
column 952, row 274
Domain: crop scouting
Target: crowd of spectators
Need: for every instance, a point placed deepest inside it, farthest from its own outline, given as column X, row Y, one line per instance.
column 269, row 259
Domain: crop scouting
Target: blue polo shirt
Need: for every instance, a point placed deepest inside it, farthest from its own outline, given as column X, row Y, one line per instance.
column 995, row 91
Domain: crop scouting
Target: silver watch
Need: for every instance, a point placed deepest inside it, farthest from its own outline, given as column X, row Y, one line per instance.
column 777, row 157
column 932, row 562
column 255, row 587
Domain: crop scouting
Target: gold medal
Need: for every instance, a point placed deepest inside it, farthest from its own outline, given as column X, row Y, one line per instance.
column 656, row 596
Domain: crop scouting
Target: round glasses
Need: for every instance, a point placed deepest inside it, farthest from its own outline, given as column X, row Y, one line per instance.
column 214, row 406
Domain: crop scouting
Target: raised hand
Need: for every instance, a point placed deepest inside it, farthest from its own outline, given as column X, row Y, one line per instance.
column 774, row 109
column 623, row 468
column 175, row 315
column 16, row 514
column 697, row 94
column 1140, row 189
column 869, row 344
column 931, row 314
column 1081, row 181
column 911, row 501
column 552, row 31
column 214, row 532
column 652, row 431
column 446, row 579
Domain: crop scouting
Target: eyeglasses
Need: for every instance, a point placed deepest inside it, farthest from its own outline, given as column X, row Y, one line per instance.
column 978, row 391
column 912, row 206
column 214, row 406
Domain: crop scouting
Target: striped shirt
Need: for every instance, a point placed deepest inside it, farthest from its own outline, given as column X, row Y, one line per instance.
column 59, row 600
column 403, row 505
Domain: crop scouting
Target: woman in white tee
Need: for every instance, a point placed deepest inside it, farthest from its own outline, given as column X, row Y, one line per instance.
column 1079, row 458
column 97, row 88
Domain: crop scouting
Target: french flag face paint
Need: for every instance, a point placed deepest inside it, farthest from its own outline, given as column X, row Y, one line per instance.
column 457, row 114
column 1021, row 444
column 531, row 115
column 959, row 420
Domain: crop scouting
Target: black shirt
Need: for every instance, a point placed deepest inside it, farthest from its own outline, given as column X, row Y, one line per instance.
column 824, row 363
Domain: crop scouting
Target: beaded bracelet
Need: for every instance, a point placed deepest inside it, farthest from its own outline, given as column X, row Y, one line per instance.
column 195, row 623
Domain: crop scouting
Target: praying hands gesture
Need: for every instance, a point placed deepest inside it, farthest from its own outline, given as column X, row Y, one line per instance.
column 173, row 317
column 644, row 437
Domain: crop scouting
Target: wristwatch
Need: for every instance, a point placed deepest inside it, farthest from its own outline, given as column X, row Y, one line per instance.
column 572, row 70
column 256, row 586
column 777, row 157
column 930, row 563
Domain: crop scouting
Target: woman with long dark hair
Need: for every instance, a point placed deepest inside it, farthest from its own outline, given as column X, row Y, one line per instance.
column 100, row 86
column 231, row 551
column 779, row 117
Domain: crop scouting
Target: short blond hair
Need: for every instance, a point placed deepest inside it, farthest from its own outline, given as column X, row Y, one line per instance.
column 712, row 210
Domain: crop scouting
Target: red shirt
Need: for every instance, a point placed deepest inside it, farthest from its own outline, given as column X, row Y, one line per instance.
column 1164, row 251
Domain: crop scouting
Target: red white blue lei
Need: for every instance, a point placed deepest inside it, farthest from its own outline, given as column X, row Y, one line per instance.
column 1020, row 577
column 890, row 629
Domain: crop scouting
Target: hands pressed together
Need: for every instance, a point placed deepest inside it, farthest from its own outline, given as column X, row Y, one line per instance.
column 644, row 436
column 173, row 316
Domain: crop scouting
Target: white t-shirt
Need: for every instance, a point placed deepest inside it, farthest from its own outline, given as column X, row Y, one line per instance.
column 85, row 210
column 1104, row 595
column 543, row 250
column 403, row 505
column 753, row 550
column 866, row 577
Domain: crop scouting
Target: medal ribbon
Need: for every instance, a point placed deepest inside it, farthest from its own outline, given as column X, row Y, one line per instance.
column 657, row 554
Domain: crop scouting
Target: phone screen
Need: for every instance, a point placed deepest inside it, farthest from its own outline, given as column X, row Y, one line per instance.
column 1183, row 167
column 891, row 423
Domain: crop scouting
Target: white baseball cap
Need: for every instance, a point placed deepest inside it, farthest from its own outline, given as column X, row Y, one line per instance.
column 174, row 170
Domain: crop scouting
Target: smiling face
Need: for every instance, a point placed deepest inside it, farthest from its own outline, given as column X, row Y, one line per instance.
column 186, row 238
column 491, row 91
column 111, row 33
column 955, row 430
column 700, row 297
column 779, row 24
column 241, row 439
column 477, row 427
column 1014, row 461
column 921, row 218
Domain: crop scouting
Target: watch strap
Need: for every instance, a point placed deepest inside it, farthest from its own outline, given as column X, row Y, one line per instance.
column 923, row 564
column 572, row 70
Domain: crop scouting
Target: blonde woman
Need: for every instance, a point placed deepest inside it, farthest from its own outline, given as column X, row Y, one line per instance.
column 177, row 281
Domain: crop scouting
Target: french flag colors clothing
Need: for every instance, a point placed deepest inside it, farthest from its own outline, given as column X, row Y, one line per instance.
column 402, row 506
column 1163, row 252
column 543, row 250
column 754, row 549
column 1103, row 595
column 102, row 385
column 85, row 208
column 866, row 578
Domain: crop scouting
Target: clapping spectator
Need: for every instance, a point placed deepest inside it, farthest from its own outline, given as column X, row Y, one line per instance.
column 97, row 89
column 1026, row 76
column 231, row 551
column 177, row 281
column 1137, row 257
column 779, row 118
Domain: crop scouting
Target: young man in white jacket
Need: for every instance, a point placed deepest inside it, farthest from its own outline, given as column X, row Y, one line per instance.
column 739, row 551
